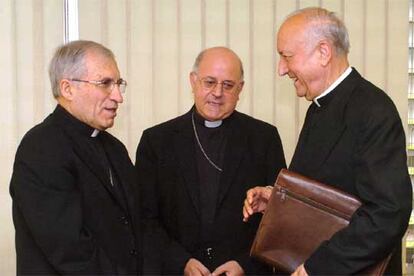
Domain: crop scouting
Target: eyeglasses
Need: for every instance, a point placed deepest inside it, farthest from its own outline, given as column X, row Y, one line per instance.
column 209, row 83
column 107, row 84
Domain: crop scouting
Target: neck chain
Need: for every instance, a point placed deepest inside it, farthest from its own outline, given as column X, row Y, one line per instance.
column 201, row 147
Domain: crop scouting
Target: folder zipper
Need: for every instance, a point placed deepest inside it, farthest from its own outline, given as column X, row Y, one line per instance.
column 285, row 192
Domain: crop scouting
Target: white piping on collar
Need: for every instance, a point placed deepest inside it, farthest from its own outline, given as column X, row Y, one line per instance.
column 333, row 85
column 95, row 133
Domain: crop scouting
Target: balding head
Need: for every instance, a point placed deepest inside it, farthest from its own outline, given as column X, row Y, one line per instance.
column 318, row 24
column 219, row 51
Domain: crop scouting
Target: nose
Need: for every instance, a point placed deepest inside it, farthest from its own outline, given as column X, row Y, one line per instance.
column 116, row 94
column 282, row 68
column 218, row 90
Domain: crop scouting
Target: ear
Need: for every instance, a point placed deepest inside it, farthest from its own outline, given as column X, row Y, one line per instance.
column 325, row 51
column 66, row 89
column 193, row 80
column 240, row 87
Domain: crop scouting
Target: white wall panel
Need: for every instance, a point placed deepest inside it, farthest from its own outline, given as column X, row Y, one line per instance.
column 215, row 22
column 10, row 128
column 354, row 18
column 30, row 30
column 397, row 55
column 189, row 45
column 288, row 120
column 140, row 70
column 239, row 35
column 375, row 44
column 262, row 63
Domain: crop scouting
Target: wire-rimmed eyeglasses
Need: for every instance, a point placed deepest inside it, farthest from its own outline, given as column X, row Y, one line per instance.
column 107, row 84
column 209, row 84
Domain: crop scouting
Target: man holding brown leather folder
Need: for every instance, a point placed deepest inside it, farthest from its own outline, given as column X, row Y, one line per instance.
column 352, row 139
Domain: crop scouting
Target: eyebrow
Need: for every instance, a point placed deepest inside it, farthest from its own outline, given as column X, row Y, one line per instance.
column 209, row 77
column 285, row 53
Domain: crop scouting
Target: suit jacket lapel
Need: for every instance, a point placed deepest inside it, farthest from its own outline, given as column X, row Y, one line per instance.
column 84, row 146
column 122, row 173
column 234, row 152
column 313, row 155
column 84, row 150
column 183, row 142
column 335, row 123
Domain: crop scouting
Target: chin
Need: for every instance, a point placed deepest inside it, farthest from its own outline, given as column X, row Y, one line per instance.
column 214, row 118
column 107, row 125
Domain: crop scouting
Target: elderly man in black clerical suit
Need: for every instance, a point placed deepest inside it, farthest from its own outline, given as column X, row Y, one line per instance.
column 195, row 170
column 73, row 205
column 352, row 139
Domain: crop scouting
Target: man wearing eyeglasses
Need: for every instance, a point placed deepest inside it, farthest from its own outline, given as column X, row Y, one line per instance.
column 73, row 205
column 195, row 170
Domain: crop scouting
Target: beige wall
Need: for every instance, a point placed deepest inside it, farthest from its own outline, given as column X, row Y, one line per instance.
column 156, row 42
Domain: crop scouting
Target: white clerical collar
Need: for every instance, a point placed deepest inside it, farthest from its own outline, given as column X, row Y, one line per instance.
column 95, row 133
column 213, row 124
column 333, row 85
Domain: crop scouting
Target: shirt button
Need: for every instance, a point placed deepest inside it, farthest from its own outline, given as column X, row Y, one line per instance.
column 124, row 220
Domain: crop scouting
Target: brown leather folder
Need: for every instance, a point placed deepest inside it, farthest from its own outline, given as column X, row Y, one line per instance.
column 300, row 215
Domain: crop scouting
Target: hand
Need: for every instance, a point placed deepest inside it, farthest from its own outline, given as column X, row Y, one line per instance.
column 300, row 271
column 195, row 268
column 256, row 201
column 230, row 268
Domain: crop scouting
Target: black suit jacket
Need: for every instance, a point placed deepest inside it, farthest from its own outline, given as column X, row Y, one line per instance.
column 166, row 163
column 68, row 218
column 355, row 141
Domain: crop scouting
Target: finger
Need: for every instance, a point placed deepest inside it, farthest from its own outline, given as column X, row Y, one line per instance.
column 245, row 215
column 247, row 209
column 219, row 270
column 250, row 195
column 204, row 270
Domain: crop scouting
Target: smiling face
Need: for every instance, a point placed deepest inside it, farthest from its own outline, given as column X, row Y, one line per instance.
column 300, row 58
column 220, row 65
column 94, row 104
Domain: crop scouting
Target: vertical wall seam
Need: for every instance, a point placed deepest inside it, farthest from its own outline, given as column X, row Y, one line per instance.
column 104, row 22
column 179, row 56
column 251, row 56
column 386, row 45
column 364, row 40
column 15, row 69
column 274, row 67
column 153, row 73
column 128, row 68
column 65, row 21
column 227, row 12
column 203, row 24
column 41, row 60
column 297, row 115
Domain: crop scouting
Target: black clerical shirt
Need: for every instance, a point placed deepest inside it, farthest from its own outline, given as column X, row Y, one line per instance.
column 213, row 141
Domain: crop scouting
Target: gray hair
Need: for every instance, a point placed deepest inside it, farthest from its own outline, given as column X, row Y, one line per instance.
column 201, row 56
column 325, row 24
column 69, row 61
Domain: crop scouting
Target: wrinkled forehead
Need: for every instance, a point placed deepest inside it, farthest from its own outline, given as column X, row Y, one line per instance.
column 100, row 65
column 292, row 31
column 220, row 64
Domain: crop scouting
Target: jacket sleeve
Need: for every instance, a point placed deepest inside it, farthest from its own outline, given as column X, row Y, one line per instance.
column 162, row 254
column 383, row 185
column 275, row 161
column 47, row 205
